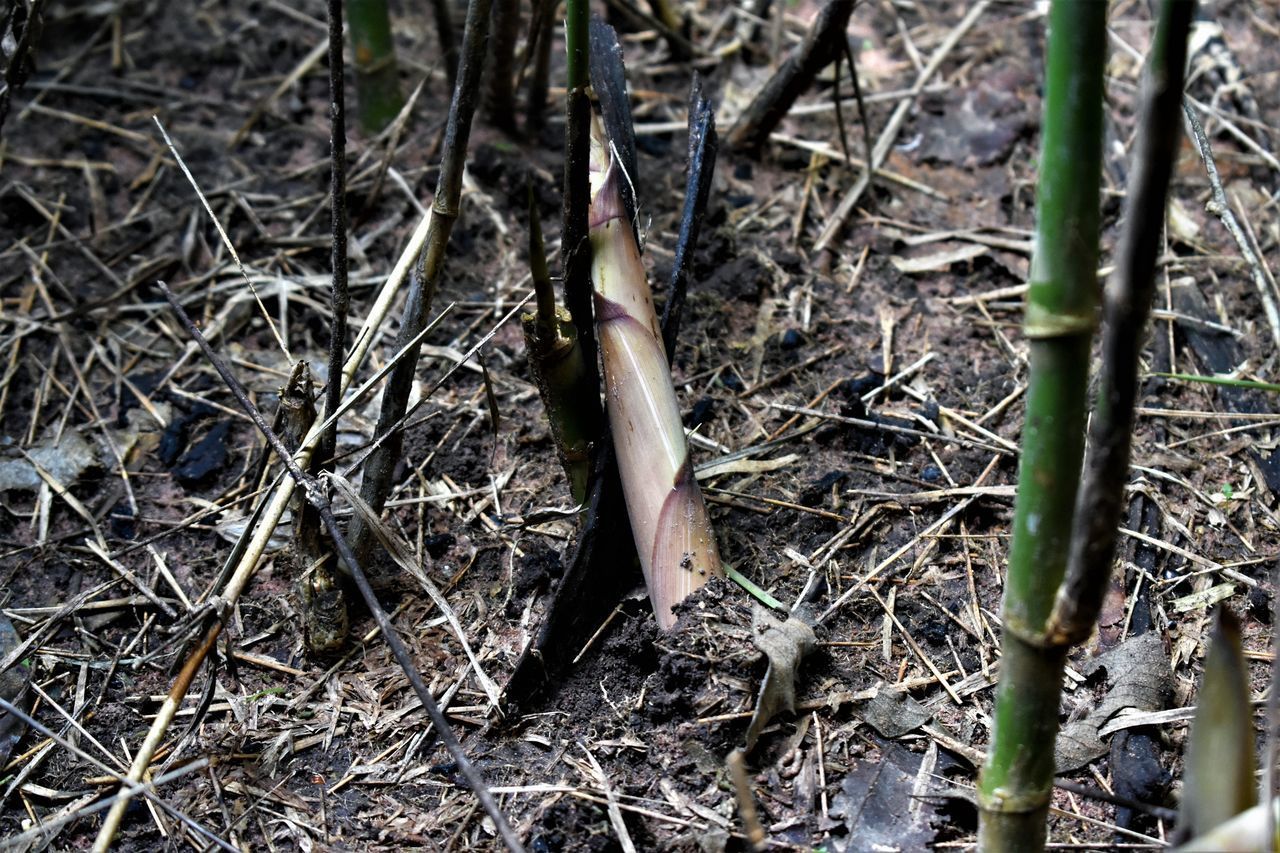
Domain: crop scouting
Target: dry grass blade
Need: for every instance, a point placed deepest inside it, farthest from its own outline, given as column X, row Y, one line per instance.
column 890, row 133
column 399, row 552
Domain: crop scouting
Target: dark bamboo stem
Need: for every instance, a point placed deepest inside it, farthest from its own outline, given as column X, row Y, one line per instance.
column 502, row 76
column 381, row 463
column 542, row 28
column 703, row 145
column 339, row 301
column 575, row 250
column 821, row 47
column 445, row 36
column 1125, row 311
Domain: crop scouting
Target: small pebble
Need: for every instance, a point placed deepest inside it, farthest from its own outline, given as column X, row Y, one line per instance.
column 731, row 382
column 437, row 546
column 791, row 339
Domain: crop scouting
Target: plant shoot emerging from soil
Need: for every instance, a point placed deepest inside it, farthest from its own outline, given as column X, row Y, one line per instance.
column 673, row 535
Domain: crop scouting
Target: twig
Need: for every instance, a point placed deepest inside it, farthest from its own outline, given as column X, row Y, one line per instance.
column 615, row 813
column 756, row 836
column 226, row 241
column 316, row 497
column 1220, row 207
column 821, row 47
column 890, row 133
column 858, row 99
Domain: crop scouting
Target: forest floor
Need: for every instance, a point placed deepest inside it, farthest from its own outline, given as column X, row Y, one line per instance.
column 128, row 471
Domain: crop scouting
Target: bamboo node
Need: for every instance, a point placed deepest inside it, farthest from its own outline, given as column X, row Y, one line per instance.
column 1042, row 323
column 1037, row 638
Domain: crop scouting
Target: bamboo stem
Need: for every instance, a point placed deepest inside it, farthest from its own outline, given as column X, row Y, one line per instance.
column 575, row 249
column 502, row 76
column 339, row 300
column 542, row 27
column 377, row 78
column 1017, row 779
column 381, row 463
column 1125, row 312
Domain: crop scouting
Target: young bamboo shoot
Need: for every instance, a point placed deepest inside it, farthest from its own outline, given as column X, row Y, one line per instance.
column 669, row 520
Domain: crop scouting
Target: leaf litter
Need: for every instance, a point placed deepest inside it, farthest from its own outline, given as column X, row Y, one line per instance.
column 293, row 738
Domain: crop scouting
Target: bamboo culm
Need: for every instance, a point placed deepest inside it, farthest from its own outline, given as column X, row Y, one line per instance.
column 1017, row 778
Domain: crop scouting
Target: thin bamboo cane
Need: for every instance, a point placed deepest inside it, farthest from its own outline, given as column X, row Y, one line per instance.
column 1017, row 779
column 1125, row 312
column 381, row 463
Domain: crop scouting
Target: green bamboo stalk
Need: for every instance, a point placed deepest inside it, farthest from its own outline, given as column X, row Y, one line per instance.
column 555, row 358
column 575, row 248
column 669, row 521
column 1017, row 779
column 377, row 78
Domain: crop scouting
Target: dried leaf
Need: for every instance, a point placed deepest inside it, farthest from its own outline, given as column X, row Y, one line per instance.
column 66, row 459
column 893, row 713
column 1137, row 676
column 883, row 803
column 785, row 644
column 13, row 687
column 939, row 261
